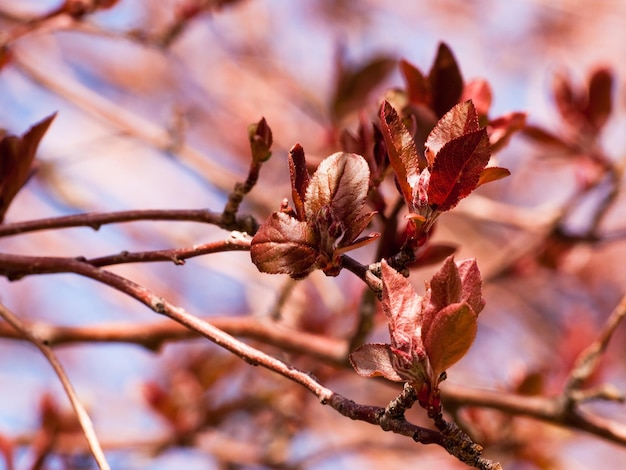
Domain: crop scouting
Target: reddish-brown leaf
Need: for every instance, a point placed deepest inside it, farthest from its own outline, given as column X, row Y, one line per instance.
column 401, row 149
column 544, row 137
column 457, row 168
column 400, row 302
column 434, row 253
column 492, row 173
column 17, row 155
column 446, row 82
column 599, row 104
column 501, row 129
column 341, row 183
column 460, row 120
column 417, row 86
column 567, row 101
column 479, row 92
column 374, row 360
column 450, row 336
column 472, row 284
column 444, row 288
column 284, row 245
column 354, row 84
column 299, row 178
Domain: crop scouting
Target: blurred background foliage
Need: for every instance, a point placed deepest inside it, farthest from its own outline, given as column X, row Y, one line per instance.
column 153, row 102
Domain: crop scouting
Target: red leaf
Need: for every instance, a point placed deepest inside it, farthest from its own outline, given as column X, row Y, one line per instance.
column 450, row 336
column 284, row 245
column 401, row 149
column 400, row 302
column 479, row 92
column 446, row 82
column 444, row 288
column 17, row 155
column 502, row 128
column 492, row 173
column 472, row 284
column 374, row 360
column 547, row 138
column 299, row 178
column 599, row 102
column 434, row 253
column 457, row 168
column 417, row 85
column 341, row 183
column 355, row 84
column 460, row 120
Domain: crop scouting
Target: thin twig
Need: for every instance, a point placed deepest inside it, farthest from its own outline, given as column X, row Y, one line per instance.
column 96, row 220
column 81, row 413
column 588, row 360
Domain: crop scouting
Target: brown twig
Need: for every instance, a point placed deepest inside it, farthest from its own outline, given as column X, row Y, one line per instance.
column 81, row 413
column 96, row 220
column 153, row 336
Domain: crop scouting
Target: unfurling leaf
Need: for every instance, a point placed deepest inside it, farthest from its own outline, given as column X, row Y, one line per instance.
column 374, row 360
column 284, row 245
column 299, row 178
column 260, row 137
column 472, row 284
column 327, row 222
column 17, row 155
column 340, row 182
column 450, row 336
column 403, row 155
column 457, row 168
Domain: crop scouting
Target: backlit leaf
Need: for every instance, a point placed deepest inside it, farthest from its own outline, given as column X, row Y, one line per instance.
column 457, row 168
column 462, row 119
column 492, row 173
column 17, row 155
column 446, row 82
column 401, row 149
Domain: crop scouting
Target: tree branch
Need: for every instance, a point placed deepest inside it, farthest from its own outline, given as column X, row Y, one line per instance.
column 81, row 413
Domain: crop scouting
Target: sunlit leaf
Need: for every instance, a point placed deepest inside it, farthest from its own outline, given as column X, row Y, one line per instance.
column 374, row 360
column 401, row 149
column 450, row 336
column 457, row 168
column 284, row 245
column 340, row 182
column 462, row 119
column 492, row 173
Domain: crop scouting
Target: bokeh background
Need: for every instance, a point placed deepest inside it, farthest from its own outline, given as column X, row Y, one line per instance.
column 152, row 113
